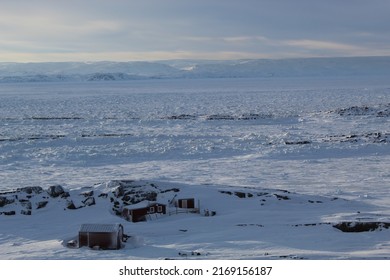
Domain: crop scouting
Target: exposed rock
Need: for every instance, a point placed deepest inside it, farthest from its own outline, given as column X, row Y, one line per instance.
column 355, row 111
column 9, row 213
column 30, row 190
column 181, row 117
column 311, row 224
column 171, row 190
column 315, row 201
column 246, row 225
column 262, row 193
column 55, row 191
column 42, row 204
column 4, row 201
column 116, row 211
column 133, row 197
column 65, row 195
column 281, row 197
column 382, row 110
column 87, row 194
column 303, row 142
column 240, row 194
column 89, row 201
column 226, row 192
column 292, row 257
column 361, row 226
column 219, row 117
column 25, row 212
column 26, row 204
column 71, row 205
column 151, row 196
column 119, row 191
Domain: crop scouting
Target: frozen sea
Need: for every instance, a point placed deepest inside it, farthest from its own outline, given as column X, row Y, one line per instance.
column 315, row 136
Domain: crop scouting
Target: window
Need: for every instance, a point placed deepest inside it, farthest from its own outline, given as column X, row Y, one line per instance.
column 159, row 209
column 151, row 210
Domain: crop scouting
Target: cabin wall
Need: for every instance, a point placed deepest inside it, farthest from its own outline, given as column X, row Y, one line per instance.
column 104, row 240
column 139, row 215
column 186, row 203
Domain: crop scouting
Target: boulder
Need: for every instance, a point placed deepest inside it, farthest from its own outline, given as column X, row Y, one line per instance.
column 71, row 205
column 87, row 194
column 30, row 190
column 25, row 212
column 89, row 201
column 65, row 195
column 42, row 204
column 240, row 194
column 119, row 191
column 26, row 204
column 55, row 191
column 3, row 201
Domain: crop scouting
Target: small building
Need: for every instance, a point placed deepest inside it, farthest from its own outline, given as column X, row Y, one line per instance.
column 102, row 236
column 188, row 203
column 140, row 211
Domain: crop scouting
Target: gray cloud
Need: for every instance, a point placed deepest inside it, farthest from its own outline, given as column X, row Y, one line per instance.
column 124, row 30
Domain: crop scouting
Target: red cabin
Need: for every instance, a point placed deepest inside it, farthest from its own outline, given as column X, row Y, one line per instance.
column 139, row 212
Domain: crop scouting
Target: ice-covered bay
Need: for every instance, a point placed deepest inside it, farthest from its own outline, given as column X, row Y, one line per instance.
column 274, row 132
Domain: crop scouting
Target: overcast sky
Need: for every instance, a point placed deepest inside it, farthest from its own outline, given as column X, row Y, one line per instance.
column 125, row 30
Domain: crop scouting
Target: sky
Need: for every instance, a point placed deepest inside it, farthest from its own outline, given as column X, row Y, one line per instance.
column 149, row 30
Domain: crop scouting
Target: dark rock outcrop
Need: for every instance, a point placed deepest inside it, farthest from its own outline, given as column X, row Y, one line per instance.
column 8, row 213
column 30, row 190
column 71, row 205
column 25, row 212
column 89, row 201
column 3, row 201
column 55, row 191
column 361, row 226
column 42, row 204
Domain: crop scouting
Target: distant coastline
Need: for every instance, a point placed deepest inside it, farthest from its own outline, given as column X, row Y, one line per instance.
column 193, row 69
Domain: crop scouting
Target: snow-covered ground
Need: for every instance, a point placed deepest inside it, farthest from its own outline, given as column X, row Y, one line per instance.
column 322, row 142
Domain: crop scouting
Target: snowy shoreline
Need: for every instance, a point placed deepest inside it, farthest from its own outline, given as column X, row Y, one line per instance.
column 275, row 224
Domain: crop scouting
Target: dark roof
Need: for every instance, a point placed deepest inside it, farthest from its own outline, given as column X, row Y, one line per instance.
column 142, row 205
column 99, row 227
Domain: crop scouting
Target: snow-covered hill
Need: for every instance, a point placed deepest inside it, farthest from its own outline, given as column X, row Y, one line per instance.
column 102, row 71
column 249, row 223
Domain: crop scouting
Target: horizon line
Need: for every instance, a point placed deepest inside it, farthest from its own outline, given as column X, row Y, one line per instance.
column 196, row 59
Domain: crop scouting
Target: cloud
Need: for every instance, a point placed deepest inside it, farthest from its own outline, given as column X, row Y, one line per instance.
column 327, row 48
column 225, row 29
column 125, row 56
column 323, row 45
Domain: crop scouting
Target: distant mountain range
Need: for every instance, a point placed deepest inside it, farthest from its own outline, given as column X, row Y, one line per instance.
column 172, row 69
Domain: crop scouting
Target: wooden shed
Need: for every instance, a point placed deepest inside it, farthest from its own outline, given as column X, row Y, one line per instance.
column 186, row 203
column 102, row 236
column 140, row 211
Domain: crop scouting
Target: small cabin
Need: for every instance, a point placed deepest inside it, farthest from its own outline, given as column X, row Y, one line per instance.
column 102, row 236
column 188, row 203
column 140, row 211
